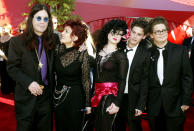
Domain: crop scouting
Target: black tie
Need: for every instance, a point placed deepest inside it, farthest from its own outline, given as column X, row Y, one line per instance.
column 127, row 50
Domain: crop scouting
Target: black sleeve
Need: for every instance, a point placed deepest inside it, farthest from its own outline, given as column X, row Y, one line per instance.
column 14, row 64
column 186, row 79
column 141, row 103
column 122, row 73
column 86, row 76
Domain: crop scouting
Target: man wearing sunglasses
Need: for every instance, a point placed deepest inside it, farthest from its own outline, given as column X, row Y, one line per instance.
column 170, row 80
column 30, row 63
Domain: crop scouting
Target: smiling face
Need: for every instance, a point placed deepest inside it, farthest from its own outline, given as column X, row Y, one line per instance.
column 66, row 36
column 115, row 37
column 40, row 22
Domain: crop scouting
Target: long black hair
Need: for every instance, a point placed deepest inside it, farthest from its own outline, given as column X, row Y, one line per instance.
column 29, row 36
column 115, row 25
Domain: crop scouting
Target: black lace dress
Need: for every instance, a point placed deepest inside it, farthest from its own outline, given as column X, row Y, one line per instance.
column 73, row 72
column 110, row 68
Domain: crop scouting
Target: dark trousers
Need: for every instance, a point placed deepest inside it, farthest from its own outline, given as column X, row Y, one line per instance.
column 103, row 120
column 7, row 84
column 68, row 119
column 123, row 117
column 165, row 123
column 68, row 114
column 39, row 119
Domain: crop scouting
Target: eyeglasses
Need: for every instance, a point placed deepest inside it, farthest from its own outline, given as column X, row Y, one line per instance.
column 118, row 33
column 45, row 19
column 159, row 32
column 21, row 31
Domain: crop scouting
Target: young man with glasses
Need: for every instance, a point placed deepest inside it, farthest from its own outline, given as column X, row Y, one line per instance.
column 135, row 93
column 170, row 80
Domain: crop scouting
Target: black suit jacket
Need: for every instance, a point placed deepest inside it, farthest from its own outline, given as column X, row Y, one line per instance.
column 138, row 79
column 187, row 43
column 177, row 84
column 23, row 68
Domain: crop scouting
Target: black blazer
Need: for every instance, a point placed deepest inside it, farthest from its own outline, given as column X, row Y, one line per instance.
column 138, row 79
column 187, row 42
column 23, row 68
column 177, row 84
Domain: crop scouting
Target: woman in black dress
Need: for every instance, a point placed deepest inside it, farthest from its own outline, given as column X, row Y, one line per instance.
column 111, row 66
column 71, row 95
column 7, row 83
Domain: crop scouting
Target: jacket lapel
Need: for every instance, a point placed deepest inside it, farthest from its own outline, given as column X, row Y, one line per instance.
column 170, row 57
column 135, row 60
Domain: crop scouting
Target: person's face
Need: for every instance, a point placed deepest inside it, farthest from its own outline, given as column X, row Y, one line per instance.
column 115, row 37
column 66, row 36
column 137, row 34
column 160, row 33
column 55, row 23
column 40, row 22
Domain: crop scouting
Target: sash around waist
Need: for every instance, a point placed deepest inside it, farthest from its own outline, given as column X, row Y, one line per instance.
column 102, row 89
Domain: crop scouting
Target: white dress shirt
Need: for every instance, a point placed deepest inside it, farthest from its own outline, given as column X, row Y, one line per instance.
column 130, row 56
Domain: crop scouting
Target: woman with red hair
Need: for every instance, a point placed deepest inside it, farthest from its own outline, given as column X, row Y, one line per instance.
column 71, row 95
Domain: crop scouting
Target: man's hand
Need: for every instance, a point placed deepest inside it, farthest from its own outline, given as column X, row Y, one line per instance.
column 184, row 107
column 35, row 89
column 88, row 110
column 138, row 112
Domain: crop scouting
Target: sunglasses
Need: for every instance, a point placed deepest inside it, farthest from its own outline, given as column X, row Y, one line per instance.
column 39, row 18
column 118, row 33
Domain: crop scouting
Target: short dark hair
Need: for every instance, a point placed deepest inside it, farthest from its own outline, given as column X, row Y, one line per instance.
column 142, row 23
column 78, row 29
column 158, row 20
column 114, row 25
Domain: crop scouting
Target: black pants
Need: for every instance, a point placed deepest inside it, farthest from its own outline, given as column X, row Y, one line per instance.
column 165, row 123
column 123, row 117
column 103, row 120
column 7, row 83
column 69, row 115
column 39, row 119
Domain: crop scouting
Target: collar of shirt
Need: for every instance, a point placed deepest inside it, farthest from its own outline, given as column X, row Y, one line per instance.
column 133, row 48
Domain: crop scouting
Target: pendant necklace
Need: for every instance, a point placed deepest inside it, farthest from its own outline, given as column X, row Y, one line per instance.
column 39, row 59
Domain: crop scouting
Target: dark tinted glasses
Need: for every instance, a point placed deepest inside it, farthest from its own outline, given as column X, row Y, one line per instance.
column 39, row 18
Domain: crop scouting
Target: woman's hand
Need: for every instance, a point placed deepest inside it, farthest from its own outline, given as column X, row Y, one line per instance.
column 82, row 47
column 112, row 109
column 88, row 110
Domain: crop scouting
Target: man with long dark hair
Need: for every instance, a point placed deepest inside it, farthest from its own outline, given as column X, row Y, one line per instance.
column 30, row 63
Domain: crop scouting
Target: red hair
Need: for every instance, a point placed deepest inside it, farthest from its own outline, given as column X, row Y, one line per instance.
column 79, row 30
